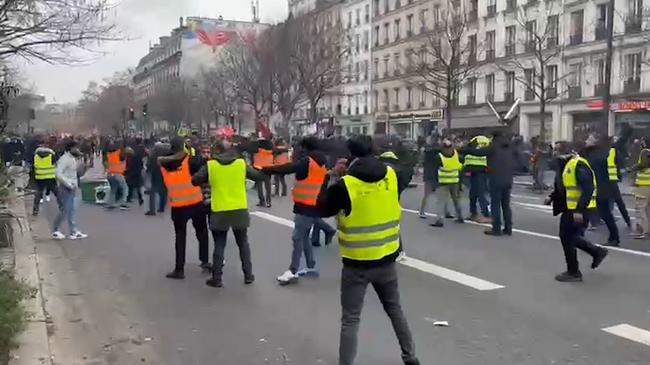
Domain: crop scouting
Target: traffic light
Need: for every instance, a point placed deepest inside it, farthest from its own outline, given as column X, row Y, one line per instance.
column 131, row 114
column 232, row 120
column 145, row 112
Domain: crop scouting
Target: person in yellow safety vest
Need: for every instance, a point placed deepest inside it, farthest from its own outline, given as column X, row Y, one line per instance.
column 366, row 201
column 476, row 167
column 44, row 175
column 226, row 175
column 190, row 151
column 262, row 158
column 641, row 191
column 448, row 183
column 615, row 177
column 280, row 157
column 574, row 197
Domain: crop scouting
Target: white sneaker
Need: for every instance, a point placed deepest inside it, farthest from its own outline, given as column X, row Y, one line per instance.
column 58, row 235
column 77, row 235
column 41, row 201
column 400, row 256
column 47, row 198
column 287, row 278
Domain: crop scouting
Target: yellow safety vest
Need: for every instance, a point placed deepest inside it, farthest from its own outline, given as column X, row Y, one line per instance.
column 44, row 168
column 190, row 151
column 371, row 231
column 570, row 183
column 643, row 176
column 449, row 170
column 471, row 160
column 227, row 186
column 612, row 169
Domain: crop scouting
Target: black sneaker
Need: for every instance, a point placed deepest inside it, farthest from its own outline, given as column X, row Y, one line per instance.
column 491, row 232
column 160, row 211
column 437, row 224
column 507, row 232
column 150, row 213
column 598, row 259
column 567, row 277
column 214, row 282
column 176, row 274
column 249, row 279
column 124, row 207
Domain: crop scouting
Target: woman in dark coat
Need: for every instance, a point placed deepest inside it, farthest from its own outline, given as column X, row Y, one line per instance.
column 133, row 177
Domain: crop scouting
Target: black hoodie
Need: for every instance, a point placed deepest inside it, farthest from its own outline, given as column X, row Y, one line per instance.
column 337, row 199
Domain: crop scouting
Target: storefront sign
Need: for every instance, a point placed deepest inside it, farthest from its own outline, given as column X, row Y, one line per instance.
column 634, row 105
column 437, row 114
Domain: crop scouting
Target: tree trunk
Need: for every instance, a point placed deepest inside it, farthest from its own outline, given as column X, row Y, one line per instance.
column 449, row 104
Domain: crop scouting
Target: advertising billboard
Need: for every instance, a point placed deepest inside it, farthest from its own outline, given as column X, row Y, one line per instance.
column 204, row 38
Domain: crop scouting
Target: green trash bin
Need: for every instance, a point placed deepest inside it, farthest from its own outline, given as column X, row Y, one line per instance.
column 88, row 189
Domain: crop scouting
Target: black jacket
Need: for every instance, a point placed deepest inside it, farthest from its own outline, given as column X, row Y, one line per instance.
column 502, row 161
column 301, row 169
column 585, row 181
column 336, row 198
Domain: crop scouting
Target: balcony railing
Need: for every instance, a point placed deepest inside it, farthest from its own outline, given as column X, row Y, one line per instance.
column 575, row 92
column 599, row 90
column 491, row 11
column 508, row 96
column 510, row 49
column 632, row 85
column 529, row 95
column 601, row 32
column 489, row 55
column 575, row 39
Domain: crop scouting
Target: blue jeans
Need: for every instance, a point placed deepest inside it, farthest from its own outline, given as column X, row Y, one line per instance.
column 477, row 192
column 301, row 242
column 118, row 188
column 320, row 225
column 68, row 210
column 500, row 202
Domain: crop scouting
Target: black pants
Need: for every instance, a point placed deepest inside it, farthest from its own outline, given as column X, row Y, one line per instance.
column 161, row 192
column 134, row 190
column 500, row 202
column 180, row 216
column 572, row 238
column 45, row 186
column 279, row 181
column 262, row 190
column 618, row 199
column 603, row 204
column 241, row 238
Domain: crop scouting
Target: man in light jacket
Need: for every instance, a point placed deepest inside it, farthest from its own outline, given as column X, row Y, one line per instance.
column 67, row 174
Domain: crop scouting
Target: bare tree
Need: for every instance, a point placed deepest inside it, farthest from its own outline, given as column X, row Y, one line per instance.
column 446, row 58
column 536, row 70
column 217, row 95
column 54, row 31
column 286, row 91
column 9, row 90
column 316, row 50
column 172, row 103
column 105, row 107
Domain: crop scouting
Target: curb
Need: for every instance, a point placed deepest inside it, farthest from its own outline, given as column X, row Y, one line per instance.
column 34, row 342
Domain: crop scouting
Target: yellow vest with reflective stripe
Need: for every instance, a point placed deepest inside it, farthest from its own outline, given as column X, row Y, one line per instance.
column 471, row 160
column 570, row 183
column 371, row 231
column 44, row 168
column 449, row 171
column 643, row 176
column 227, row 186
column 612, row 169
column 190, row 151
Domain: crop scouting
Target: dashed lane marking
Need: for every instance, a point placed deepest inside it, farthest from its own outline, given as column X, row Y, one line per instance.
column 630, row 332
column 536, row 234
column 426, row 267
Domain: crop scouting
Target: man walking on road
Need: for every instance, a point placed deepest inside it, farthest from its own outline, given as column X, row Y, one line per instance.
column 366, row 201
column 67, row 174
column 226, row 176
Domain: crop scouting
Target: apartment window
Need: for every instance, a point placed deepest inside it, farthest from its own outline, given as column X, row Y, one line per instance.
column 529, row 77
column 386, row 66
column 366, row 14
column 409, row 97
column 375, row 71
column 423, row 96
column 551, row 77
column 601, row 21
column 376, row 36
column 490, row 38
column 398, row 3
column 473, row 10
column 349, row 19
column 386, row 32
column 376, row 100
column 356, row 71
column 349, row 104
column 472, row 44
column 386, row 99
column 489, row 87
column 357, row 17
column 366, row 40
column 471, row 91
column 397, row 30
column 409, row 25
column 633, row 66
column 511, row 39
column 365, row 69
column 365, row 102
column 531, row 35
column 577, row 24
column 510, row 82
column 492, row 8
column 386, row 6
column 376, row 7
column 398, row 64
column 635, row 16
column 600, row 72
column 357, row 43
column 424, row 13
column 575, row 75
column 408, row 54
column 396, row 100
column 553, row 24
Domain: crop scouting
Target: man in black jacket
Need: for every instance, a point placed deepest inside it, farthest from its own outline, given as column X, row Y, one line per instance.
column 573, row 222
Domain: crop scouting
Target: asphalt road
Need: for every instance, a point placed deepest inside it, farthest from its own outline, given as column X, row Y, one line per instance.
column 498, row 295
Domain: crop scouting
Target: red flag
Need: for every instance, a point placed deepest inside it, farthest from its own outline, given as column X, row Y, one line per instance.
column 266, row 132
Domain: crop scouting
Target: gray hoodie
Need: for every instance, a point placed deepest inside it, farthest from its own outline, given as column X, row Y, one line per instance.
column 68, row 171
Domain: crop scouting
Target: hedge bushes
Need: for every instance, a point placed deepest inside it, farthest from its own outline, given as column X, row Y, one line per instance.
column 12, row 314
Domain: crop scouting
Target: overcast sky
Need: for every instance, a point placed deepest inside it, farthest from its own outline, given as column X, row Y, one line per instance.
column 143, row 21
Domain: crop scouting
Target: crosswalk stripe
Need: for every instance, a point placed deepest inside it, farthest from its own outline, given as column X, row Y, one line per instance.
column 630, row 332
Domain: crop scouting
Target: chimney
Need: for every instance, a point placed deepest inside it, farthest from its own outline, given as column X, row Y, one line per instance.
column 180, row 22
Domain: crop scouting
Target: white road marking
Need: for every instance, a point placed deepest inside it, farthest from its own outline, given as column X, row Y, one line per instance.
column 630, row 332
column 537, row 234
column 426, row 267
column 529, row 197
